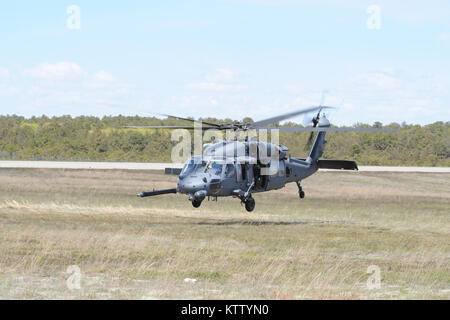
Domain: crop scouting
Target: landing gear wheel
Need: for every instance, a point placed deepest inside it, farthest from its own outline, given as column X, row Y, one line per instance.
column 250, row 204
column 196, row 203
column 301, row 193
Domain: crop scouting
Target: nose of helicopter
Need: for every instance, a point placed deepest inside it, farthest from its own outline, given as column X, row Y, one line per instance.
column 192, row 184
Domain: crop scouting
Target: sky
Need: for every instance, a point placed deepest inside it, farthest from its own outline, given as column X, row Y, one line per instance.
column 386, row 61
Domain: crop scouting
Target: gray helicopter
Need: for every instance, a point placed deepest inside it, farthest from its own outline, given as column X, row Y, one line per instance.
column 239, row 168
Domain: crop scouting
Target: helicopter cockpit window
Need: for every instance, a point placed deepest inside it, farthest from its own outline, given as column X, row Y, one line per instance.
column 188, row 167
column 193, row 166
column 201, row 167
column 214, row 168
column 230, row 170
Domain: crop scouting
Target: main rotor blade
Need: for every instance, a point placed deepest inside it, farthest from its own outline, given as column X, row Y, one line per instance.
column 259, row 124
column 318, row 129
column 175, row 127
column 165, row 115
column 191, row 120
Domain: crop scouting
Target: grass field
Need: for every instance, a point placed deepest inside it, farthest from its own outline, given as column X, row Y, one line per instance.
column 132, row 248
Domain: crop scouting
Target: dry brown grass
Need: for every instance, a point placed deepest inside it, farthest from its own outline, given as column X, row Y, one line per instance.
column 319, row 247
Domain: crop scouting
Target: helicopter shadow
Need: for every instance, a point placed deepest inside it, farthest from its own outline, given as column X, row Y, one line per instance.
column 266, row 223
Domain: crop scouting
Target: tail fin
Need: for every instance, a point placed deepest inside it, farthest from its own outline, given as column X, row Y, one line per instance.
column 319, row 142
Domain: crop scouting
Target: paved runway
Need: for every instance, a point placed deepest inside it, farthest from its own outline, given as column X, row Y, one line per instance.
column 161, row 166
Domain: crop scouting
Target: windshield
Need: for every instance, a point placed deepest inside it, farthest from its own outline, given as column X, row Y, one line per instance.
column 201, row 166
column 193, row 166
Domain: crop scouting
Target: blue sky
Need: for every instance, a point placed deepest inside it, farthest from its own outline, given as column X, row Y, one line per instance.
column 227, row 58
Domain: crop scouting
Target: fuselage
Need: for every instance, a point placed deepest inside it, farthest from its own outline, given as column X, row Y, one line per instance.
column 204, row 176
column 232, row 167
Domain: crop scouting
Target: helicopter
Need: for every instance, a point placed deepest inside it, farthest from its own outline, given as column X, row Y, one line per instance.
column 239, row 168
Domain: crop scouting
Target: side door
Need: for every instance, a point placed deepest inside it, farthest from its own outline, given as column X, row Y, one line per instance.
column 278, row 179
column 231, row 177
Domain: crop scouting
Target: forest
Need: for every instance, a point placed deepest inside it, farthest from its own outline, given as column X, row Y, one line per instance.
column 107, row 139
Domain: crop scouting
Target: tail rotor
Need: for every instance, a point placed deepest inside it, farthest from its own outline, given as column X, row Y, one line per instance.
column 314, row 121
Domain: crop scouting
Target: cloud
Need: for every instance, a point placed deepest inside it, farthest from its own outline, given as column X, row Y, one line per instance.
column 64, row 88
column 60, row 98
column 69, row 76
column 444, row 36
column 212, row 86
column 100, row 79
column 380, row 80
column 220, row 80
column 386, row 95
column 56, row 71
column 4, row 73
column 415, row 12
column 103, row 76
column 6, row 90
column 222, row 75
column 61, row 71
column 404, row 96
column 36, row 90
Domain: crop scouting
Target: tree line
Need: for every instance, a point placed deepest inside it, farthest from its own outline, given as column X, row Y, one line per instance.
column 107, row 139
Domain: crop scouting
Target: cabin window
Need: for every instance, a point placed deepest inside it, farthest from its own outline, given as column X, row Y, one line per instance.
column 240, row 171
column 281, row 168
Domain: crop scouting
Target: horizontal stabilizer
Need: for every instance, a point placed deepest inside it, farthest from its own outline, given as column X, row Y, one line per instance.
column 337, row 164
column 176, row 171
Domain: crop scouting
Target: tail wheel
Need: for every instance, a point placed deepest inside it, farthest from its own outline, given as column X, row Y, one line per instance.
column 301, row 194
column 196, row 203
column 250, row 204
